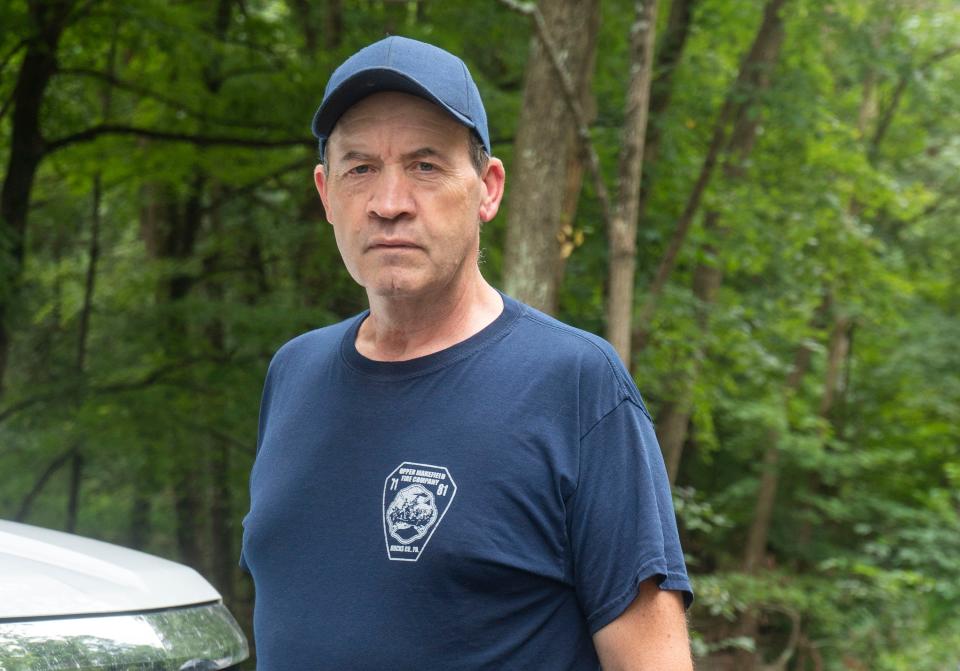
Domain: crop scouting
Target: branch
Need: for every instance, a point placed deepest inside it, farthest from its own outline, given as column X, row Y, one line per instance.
column 154, row 376
column 198, row 140
column 4, row 62
column 246, row 72
column 144, row 92
column 41, row 482
column 79, row 12
column 218, row 434
column 20, row 406
column 887, row 117
column 793, row 640
column 13, row 52
column 943, row 54
column 255, row 184
column 64, row 391
column 6, row 104
column 668, row 56
column 261, row 49
column 931, row 209
column 571, row 99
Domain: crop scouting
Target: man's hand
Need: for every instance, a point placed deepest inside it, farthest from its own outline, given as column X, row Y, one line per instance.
column 650, row 635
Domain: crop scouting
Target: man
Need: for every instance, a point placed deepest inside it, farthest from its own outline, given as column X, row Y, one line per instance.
column 452, row 479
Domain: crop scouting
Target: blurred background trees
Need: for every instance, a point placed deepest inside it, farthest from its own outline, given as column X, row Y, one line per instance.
column 795, row 308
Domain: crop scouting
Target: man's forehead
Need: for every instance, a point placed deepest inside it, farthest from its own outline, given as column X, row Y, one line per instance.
column 396, row 107
column 396, row 112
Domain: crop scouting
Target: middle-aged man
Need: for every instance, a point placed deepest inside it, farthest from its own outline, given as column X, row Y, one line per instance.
column 450, row 480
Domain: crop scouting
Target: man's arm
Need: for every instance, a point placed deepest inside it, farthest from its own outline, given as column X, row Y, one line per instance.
column 650, row 635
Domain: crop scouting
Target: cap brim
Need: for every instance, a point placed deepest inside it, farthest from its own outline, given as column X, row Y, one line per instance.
column 365, row 83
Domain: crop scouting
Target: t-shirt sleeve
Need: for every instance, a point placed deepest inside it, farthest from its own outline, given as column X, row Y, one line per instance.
column 620, row 518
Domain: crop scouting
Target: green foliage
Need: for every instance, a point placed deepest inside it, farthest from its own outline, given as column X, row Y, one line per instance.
column 214, row 251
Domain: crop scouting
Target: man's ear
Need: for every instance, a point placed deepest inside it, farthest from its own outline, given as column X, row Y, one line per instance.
column 320, row 179
column 493, row 178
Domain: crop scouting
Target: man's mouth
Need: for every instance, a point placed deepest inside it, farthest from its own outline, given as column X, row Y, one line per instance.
column 393, row 244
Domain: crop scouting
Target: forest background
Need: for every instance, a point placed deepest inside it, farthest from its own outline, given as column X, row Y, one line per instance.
column 756, row 201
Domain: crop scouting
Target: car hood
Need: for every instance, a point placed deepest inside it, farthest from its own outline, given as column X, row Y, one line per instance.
column 50, row 573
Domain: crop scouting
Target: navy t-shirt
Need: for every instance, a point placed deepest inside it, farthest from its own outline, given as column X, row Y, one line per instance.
column 489, row 506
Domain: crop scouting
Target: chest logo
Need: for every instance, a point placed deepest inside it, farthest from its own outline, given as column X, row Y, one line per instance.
column 415, row 499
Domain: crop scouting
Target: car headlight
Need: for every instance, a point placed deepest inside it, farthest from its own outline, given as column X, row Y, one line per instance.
column 197, row 638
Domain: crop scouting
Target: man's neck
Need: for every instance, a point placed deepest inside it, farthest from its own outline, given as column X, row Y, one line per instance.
column 399, row 329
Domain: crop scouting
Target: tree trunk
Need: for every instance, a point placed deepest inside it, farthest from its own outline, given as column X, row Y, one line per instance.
column 305, row 17
column 834, row 385
column 218, row 463
column 221, row 520
column 569, row 238
column 673, row 425
column 542, row 153
column 73, row 497
column 170, row 229
column 188, row 483
column 93, row 256
column 188, row 507
column 836, row 358
column 623, row 227
column 333, row 24
column 668, row 56
column 83, row 336
column 755, row 550
column 140, row 519
column 26, row 150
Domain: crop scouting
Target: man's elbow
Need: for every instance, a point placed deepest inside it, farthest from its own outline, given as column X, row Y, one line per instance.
column 650, row 635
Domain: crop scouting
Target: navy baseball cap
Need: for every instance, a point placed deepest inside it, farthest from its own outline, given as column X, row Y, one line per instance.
column 402, row 64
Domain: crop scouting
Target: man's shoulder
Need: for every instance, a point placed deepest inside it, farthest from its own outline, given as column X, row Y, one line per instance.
column 555, row 340
column 312, row 346
column 560, row 346
column 567, row 338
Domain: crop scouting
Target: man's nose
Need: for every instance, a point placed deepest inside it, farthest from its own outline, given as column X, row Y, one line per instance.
column 391, row 197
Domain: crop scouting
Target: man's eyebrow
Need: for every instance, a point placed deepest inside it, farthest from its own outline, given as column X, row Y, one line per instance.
column 355, row 156
column 423, row 152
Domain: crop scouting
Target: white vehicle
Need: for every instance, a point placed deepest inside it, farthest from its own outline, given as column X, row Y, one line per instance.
column 68, row 602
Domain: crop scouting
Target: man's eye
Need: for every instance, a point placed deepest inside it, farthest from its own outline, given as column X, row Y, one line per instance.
column 423, row 166
column 359, row 170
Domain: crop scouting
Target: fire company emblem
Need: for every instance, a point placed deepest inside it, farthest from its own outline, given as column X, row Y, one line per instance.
column 415, row 499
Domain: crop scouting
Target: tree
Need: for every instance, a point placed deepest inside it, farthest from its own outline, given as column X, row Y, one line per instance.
column 545, row 149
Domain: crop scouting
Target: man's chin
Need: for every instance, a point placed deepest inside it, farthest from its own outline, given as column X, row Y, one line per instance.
column 396, row 287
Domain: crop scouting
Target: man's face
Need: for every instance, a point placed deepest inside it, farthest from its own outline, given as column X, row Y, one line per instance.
column 404, row 198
